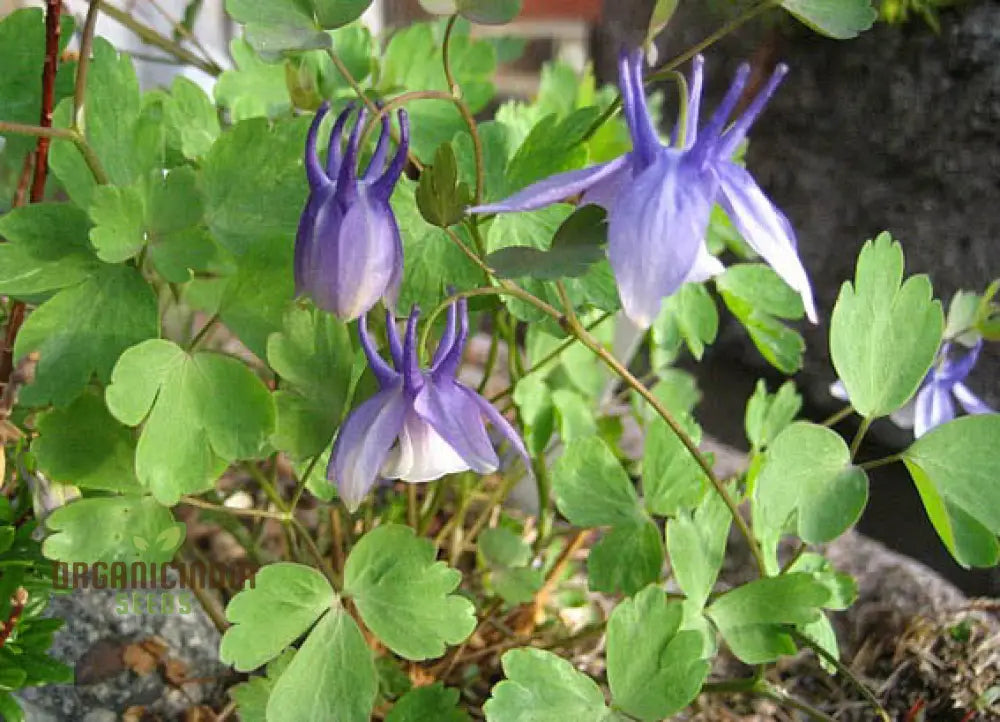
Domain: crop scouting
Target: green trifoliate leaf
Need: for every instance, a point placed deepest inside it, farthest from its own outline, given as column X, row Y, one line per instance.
column 671, row 477
column 808, row 473
column 592, row 488
column 654, row 669
column 331, row 677
column 768, row 414
column 541, row 687
column 284, row 601
column 507, row 555
column 884, row 335
column 313, row 355
column 696, row 543
column 689, row 314
column 193, row 116
column 750, row 617
column 279, row 26
column 85, row 446
column 110, row 116
column 200, row 413
column 840, row 19
column 118, row 213
column 955, row 467
column 82, row 330
column 489, row 12
column 626, row 559
column 434, row 702
column 404, row 596
column 253, row 88
column 336, row 13
column 758, row 297
column 113, row 528
column 441, row 197
column 843, row 589
column 46, row 248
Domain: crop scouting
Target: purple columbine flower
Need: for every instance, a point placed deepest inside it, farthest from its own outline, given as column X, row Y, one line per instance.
column 348, row 251
column 659, row 198
column 934, row 405
column 421, row 425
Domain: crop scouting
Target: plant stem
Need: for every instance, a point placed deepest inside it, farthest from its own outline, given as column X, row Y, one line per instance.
column 91, row 159
column 859, row 436
column 884, row 461
column 838, row 416
column 53, row 9
column 692, row 448
column 203, row 332
column 491, row 357
column 151, row 37
column 300, row 488
column 83, row 64
column 281, row 516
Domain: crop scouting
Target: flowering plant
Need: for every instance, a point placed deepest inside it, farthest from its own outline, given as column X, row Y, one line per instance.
column 398, row 390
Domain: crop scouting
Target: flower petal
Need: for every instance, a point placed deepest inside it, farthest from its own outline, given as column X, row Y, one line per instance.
column 503, row 426
column 363, row 444
column 422, row 454
column 738, row 131
column 765, row 228
column 839, row 391
column 384, row 373
column 969, row 401
column 335, row 153
column 955, row 370
column 352, row 258
column 377, row 161
column 314, row 171
column 384, row 185
column 554, row 188
column 446, row 367
column 645, row 140
column 605, row 192
column 705, row 266
column 307, row 237
column 655, row 231
column 458, row 420
column 934, row 407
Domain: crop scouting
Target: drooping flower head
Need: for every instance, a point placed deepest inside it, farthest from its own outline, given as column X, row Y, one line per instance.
column 934, row 403
column 422, row 424
column 348, row 251
column 659, row 198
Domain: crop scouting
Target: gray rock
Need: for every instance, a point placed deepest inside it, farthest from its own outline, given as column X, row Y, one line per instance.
column 93, row 640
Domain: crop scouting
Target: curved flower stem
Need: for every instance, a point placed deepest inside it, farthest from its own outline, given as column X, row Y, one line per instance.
column 452, row 85
column 151, row 37
column 463, row 109
column 595, row 346
column 555, row 353
column 491, row 358
column 679, row 60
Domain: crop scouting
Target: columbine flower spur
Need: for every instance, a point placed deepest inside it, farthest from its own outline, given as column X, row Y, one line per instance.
column 659, row 198
column 348, row 251
column 421, row 425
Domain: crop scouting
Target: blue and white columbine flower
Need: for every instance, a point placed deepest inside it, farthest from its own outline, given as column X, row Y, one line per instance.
column 935, row 401
column 348, row 251
column 422, row 424
column 659, row 198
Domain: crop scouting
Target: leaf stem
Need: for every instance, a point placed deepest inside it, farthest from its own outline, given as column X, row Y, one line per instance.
column 89, row 156
column 83, row 65
column 838, row 416
column 253, row 513
column 491, row 357
column 859, row 436
column 301, row 487
column 884, row 461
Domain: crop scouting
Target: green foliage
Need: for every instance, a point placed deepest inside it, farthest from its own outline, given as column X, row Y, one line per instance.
column 314, row 357
column 279, row 26
column 808, row 473
column 626, row 558
column 688, row 316
column 576, row 246
column 671, row 477
column 654, row 668
column 696, row 542
column 84, row 445
column 591, row 487
column 954, row 468
column 884, row 335
column 114, row 528
column 839, row 19
column 284, row 602
column 541, row 687
column 768, row 414
column 331, row 677
column 251, row 696
column 404, row 596
column 201, row 412
column 254, row 88
column 758, row 297
column 82, row 330
column 434, row 702
column 507, row 556
column 441, row 197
